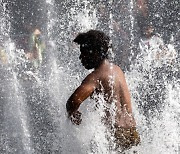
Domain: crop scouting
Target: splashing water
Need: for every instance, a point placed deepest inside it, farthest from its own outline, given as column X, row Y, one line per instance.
column 154, row 86
column 33, row 114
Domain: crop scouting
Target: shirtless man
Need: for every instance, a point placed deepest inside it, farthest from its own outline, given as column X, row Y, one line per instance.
column 94, row 55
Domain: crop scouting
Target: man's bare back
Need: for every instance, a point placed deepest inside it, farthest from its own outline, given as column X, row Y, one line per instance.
column 112, row 84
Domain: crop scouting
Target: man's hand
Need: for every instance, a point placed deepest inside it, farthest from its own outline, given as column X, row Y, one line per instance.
column 76, row 118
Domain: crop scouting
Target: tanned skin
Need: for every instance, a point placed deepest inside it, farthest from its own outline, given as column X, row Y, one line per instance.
column 99, row 81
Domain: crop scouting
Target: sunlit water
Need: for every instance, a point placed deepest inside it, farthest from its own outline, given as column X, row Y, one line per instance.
column 33, row 115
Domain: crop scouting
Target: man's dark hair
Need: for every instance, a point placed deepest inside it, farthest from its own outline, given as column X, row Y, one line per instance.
column 95, row 40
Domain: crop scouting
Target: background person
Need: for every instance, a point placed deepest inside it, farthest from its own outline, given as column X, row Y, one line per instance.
column 154, row 46
column 36, row 48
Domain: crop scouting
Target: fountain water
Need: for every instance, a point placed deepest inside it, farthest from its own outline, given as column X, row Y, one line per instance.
column 155, row 90
column 15, row 137
column 33, row 115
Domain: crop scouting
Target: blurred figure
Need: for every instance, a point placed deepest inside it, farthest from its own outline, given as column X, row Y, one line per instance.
column 36, row 48
column 154, row 46
column 156, row 63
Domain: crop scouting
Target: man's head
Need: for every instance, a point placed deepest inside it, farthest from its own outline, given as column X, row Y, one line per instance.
column 148, row 29
column 36, row 31
column 94, row 46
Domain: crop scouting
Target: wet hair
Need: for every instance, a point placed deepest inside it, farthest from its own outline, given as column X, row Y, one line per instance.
column 95, row 41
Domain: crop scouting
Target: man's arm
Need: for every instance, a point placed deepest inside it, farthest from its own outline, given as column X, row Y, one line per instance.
column 87, row 87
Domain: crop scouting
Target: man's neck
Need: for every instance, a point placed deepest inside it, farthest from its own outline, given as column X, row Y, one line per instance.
column 103, row 62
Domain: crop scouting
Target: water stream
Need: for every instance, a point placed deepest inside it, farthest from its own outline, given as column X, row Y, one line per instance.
column 33, row 117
